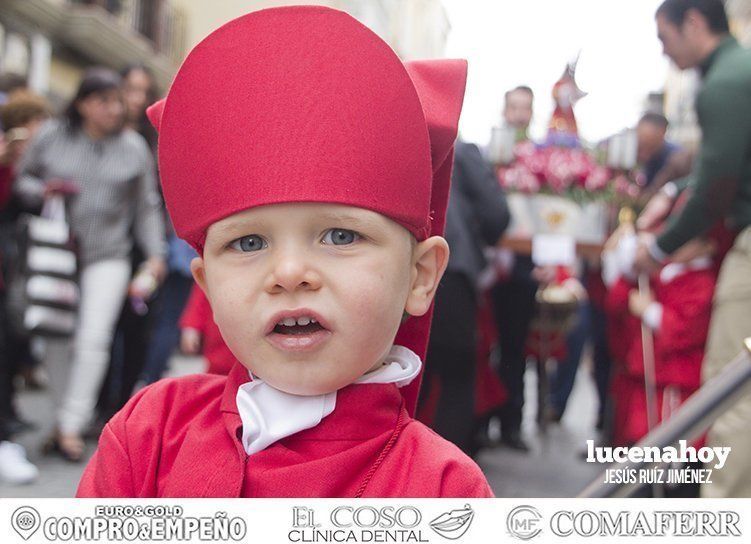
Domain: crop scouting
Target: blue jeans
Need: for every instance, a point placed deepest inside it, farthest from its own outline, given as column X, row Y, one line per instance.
column 166, row 333
column 591, row 325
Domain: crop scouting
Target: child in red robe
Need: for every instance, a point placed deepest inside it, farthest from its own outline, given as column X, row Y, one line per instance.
column 309, row 167
column 677, row 312
column 199, row 334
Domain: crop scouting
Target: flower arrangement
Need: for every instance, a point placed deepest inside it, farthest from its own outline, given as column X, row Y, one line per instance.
column 562, row 166
column 570, row 172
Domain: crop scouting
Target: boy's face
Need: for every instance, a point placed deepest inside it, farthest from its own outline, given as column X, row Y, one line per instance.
column 310, row 296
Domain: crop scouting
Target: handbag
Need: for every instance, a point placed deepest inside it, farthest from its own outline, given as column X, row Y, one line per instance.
column 44, row 295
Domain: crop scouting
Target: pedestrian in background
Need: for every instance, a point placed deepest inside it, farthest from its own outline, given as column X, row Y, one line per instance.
column 21, row 116
column 138, row 319
column 695, row 34
column 514, row 296
column 476, row 218
column 114, row 171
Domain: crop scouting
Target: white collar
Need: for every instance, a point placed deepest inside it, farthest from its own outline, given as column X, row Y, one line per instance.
column 268, row 415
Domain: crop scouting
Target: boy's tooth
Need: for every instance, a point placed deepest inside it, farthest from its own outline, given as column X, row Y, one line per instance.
column 289, row 322
column 303, row 320
column 312, row 320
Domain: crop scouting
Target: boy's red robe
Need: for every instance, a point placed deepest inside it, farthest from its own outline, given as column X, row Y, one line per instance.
column 180, row 438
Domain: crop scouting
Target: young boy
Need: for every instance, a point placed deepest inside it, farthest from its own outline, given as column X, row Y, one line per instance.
column 310, row 169
column 677, row 312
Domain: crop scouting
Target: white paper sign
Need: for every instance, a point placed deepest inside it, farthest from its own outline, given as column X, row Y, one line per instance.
column 553, row 249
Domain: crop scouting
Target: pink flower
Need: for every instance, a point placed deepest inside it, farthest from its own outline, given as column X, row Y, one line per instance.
column 528, row 182
column 524, row 149
column 597, row 180
column 622, row 185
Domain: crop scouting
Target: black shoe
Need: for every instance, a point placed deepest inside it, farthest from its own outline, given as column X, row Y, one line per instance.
column 515, row 442
column 600, row 425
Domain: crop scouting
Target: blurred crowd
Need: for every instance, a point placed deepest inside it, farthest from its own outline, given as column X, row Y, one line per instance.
column 92, row 289
column 664, row 303
column 96, row 292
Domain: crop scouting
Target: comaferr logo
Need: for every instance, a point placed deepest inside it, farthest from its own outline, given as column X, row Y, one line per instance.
column 452, row 525
column 524, row 522
column 589, row 523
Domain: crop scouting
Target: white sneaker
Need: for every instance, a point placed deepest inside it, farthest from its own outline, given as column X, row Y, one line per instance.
column 14, row 467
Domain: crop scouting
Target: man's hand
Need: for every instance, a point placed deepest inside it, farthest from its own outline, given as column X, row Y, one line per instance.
column 656, row 210
column 638, row 303
column 58, row 186
column 190, row 341
column 149, row 276
column 157, row 266
column 5, row 154
column 644, row 262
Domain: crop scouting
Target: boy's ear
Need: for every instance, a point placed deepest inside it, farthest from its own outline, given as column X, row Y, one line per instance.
column 198, row 270
column 430, row 258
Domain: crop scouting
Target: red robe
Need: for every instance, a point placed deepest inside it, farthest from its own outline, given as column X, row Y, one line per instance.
column 6, row 184
column 181, row 438
column 199, row 316
column 490, row 392
column 678, row 347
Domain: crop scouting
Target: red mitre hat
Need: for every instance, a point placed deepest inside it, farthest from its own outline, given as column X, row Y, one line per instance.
column 306, row 104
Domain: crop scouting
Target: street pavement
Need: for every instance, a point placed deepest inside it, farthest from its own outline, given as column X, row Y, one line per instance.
column 553, row 468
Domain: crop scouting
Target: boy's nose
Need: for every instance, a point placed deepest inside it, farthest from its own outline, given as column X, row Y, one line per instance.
column 292, row 272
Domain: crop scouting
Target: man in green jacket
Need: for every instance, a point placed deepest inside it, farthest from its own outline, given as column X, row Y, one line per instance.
column 695, row 33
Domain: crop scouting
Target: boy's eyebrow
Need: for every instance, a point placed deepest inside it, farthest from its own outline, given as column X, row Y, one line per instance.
column 350, row 219
column 232, row 226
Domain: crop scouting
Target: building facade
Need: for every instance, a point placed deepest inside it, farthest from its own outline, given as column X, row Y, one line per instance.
column 51, row 42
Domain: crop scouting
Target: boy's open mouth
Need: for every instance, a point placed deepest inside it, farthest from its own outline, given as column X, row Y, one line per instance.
column 297, row 330
column 301, row 325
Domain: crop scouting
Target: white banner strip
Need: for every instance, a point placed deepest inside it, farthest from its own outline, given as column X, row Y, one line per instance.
column 284, row 521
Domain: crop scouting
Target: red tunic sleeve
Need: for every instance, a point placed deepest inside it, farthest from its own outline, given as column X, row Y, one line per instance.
column 108, row 473
column 422, row 464
column 686, row 311
column 616, row 302
column 139, row 446
column 461, row 481
column 620, row 335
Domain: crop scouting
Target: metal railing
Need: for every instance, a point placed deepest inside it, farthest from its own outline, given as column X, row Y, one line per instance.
column 693, row 417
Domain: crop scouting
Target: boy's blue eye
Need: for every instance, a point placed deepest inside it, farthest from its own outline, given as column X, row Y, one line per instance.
column 340, row 237
column 249, row 243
